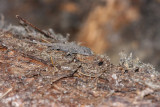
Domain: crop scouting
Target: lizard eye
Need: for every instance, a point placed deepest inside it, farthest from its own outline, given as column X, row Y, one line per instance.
column 100, row 63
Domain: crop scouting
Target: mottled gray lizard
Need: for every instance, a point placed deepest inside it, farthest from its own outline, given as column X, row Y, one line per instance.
column 69, row 47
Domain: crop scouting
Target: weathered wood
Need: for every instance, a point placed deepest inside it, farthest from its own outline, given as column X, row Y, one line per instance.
column 28, row 77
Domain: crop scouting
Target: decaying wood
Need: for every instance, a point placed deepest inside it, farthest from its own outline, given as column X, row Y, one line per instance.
column 28, row 77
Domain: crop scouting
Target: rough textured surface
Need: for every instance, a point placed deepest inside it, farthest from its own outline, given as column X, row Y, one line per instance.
column 34, row 75
column 118, row 26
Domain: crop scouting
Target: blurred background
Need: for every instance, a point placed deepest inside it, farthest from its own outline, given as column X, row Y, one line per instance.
column 105, row 26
